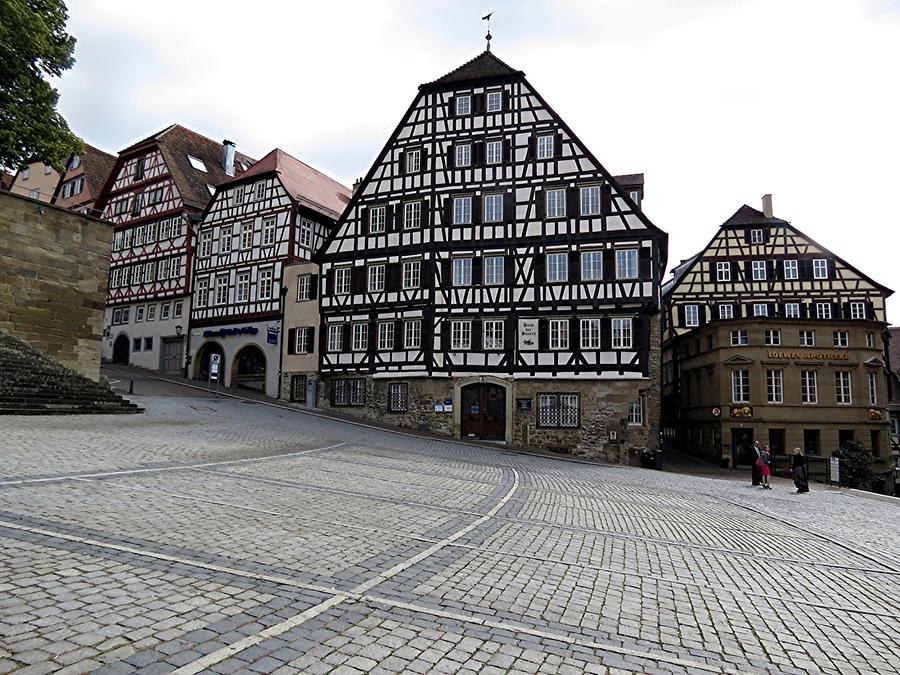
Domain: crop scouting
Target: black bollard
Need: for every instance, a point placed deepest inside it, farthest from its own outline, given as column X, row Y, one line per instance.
column 130, row 386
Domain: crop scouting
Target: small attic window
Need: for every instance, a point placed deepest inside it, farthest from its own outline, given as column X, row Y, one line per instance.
column 211, row 189
column 243, row 165
column 197, row 163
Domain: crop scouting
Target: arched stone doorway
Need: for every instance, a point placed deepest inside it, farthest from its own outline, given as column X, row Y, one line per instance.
column 121, row 349
column 483, row 411
column 249, row 368
column 201, row 366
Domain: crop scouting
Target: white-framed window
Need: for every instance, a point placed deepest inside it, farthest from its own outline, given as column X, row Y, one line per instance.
column 493, row 208
column 872, row 378
column 545, row 144
column 202, row 292
column 259, row 190
column 375, row 276
column 494, row 274
column 116, row 277
column 636, row 412
column 139, row 315
column 775, row 386
column 621, row 333
column 126, row 238
column 841, row 338
column 807, row 338
column 221, row 297
column 413, row 160
column 870, row 339
column 462, row 271
column 758, row 268
column 117, row 317
column 242, row 287
column 809, row 386
column 756, row 236
column 723, row 271
column 126, row 276
column 857, row 310
column 265, row 284
column 247, row 235
column 493, row 335
column 626, row 263
column 73, row 187
column 412, row 334
column 591, row 265
column 335, row 337
column 760, row 309
column 301, row 341
column 820, row 268
column 590, row 334
column 691, row 316
column 740, row 386
column 494, row 101
column 460, row 335
column 557, row 267
column 306, row 232
column 154, row 196
column 120, row 207
column 165, row 311
column 412, row 215
column 463, row 104
column 268, row 235
column 772, row 337
column 205, row 244
column 842, row 392
column 556, row 203
column 791, row 269
column 149, row 233
column 225, row 239
column 377, row 219
column 239, row 195
column 559, row 410
column 165, row 268
column 559, row 334
column 463, row 154
column 197, row 163
column 412, row 274
column 589, row 198
column 75, row 162
column 726, row 311
column 139, row 235
column 494, row 151
column 360, row 337
column 118, row 238
column 739, row 338
column 462, row 210
column 792, row 310
column 385, row 336
column 165, row 229
column 177, row 309
column 823, row 310
column 342, row 280
column 398, row 396
column 303, row 285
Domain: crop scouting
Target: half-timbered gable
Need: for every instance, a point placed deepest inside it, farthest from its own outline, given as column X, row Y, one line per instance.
column 270, row 217
column 154, row 196
column 483, row 220
column 771, row 336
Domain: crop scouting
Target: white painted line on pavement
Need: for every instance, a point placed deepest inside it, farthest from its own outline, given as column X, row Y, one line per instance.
column 179, row 467
column 273, row 631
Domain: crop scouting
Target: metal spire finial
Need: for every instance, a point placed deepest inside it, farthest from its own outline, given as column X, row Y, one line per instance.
column 487, row 37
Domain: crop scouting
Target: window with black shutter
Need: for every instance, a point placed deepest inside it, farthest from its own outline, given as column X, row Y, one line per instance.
column 606, row 333
column 477, row 271
column 313, row 286
column 609, row 265
column 574, row 266
column 645, row 270
column 292, row 341
column 478, row 153
column 539, row 204
column 540, row 269
column 364, row 221
column 605, row 199
column 507, row 151
column 557, row 146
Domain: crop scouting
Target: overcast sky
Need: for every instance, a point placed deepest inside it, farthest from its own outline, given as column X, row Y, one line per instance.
column 716, row 101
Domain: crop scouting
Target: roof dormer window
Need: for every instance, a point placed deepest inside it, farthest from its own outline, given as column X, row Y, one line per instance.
column 197, row 163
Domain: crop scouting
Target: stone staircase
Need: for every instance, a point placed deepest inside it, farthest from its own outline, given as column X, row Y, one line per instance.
column 34, row 384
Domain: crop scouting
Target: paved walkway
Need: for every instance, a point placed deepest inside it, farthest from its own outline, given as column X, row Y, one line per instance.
column 224, row 536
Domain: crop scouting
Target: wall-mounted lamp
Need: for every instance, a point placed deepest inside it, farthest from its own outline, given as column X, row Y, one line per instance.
column 178, row 330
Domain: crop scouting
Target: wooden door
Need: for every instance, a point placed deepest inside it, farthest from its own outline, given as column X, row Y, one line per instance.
column 483, row 412
column 171, row 355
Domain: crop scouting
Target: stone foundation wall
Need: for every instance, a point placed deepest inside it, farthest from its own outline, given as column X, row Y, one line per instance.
column 53, row 268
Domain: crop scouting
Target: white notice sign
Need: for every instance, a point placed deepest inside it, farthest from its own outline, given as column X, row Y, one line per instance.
column 835, row 470
column 528, row 335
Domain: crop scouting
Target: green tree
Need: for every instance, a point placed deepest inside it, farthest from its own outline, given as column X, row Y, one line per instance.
column 856, row 467
column 34, row 45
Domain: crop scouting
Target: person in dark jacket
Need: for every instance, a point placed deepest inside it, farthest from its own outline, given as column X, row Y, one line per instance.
column 799, row 471
column 755, row 470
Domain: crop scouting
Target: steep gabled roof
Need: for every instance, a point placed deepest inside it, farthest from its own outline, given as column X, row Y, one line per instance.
column 306, row 185
column 747, row 215
column 97, row 167
column 485, row 66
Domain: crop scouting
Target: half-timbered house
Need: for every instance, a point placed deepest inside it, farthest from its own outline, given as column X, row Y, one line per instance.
column 491, row 279
column 770, row 336
column 155, row 196
column 255, row 242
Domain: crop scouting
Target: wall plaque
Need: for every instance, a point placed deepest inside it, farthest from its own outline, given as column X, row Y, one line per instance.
column 528, row 335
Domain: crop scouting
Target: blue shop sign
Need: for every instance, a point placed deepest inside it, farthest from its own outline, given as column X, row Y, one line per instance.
column 272, row 336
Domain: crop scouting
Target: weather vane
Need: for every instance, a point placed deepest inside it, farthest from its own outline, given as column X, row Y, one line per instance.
column 487, row 17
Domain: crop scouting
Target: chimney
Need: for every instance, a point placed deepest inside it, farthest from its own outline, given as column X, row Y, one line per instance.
column 228, row 156
column 356, row 185
column 767, row 206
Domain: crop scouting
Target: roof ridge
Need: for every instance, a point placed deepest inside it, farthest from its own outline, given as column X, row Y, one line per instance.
column 484, row 65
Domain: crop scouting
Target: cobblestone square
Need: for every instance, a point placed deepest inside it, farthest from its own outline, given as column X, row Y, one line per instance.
column 221, row 535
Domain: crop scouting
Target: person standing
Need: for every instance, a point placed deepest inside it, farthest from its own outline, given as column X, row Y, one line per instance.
column 765, row 467
column 755, row 471
column 799, row 470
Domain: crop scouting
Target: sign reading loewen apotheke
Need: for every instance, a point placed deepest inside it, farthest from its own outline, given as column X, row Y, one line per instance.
column 815, row 356
column 528, row 335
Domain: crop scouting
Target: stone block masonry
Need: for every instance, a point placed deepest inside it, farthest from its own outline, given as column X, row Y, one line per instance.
column 53, row 270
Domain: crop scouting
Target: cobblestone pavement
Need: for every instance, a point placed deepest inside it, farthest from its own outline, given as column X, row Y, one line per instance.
column 224, row 536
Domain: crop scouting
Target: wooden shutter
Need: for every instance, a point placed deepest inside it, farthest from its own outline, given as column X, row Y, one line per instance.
column 509, row 207
column 346, row 336
column 831, row 272
column 329, row 280
column 477, row 333
column 572, row 202
column 390, row 217
column 398, row 334
column 392, row 277
column 364, row 220
column 609, row 264
column 358, row 279
column 540, row 269
column 292, row 341
column 845, row 310
column 835, row 310
column 403, row 162
column 540, row 204
column 478, row 153
column 476, row 210
column 452, row 111
column 507, row 151
column 806, row 269
column 557, row 145
column 606, row 199
column 640, row 331
column 748, row 270
column 605, row 333
column 532, row 148
column 477, row 270
column 777, row 269
column 478, row 104
column 451, row 156
column 446, row 273
column 574, row 334
column 311, row 340
column 313, row 286
column 870, row 310
column 509, row 270
column 574, row 266
column 543, row 334
column 645, row 270
column 448, row 210
column 682, row 319
column 506, row 100
column 427, row 334
column 445, row 334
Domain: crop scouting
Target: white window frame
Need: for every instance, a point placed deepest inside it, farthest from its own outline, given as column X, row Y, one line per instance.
column 462, row 155
column 462, row 210
column 559, row 334
column 202, row 293
column 259, row 190
column 494, row 270
column 304, row 284
column 222, row 288
column 857, row 310
column 843, row 388
column 592, row 265
column 412, row 274
column 791, row 270
column 758, row 270
column 461, row 335
column 463, row 104
column 820, row 268
column 590, row 334
column 493, row 335
column 461, row 271
column 756, row 236
column 413, row 160
column 375, row 277
column 872, row 378
column 740, row 338
column 823, row 310
column 559, row 411
column 493, row 101
column 557, row 267
column 242, row 287
column 740, row 385
column 493, row 151
column 840, row 339
column 301, row 341
column 545, row 146
column 622, row 333
column 636, row 412
column 807, row 338
column 809, row 387
column 412, row 215
column 247, row 235
column 165, row 311
column 691, row 316
column 726, row 311
column 335, row 337
column 265, row 284
column 555, row 203
column 627, row 263
column 870, row 339
column 205, row 248
column 269, row 226
column 359, row 340
column 343, row 280
column 306, row 233
column 775, row 386
column 385, row 336
column 772, row 337
column 377, row 219
column 723, row 271
column 493, row 208
column 792, row 310
column 412, row 334
column 760, row 309
column 589, row 200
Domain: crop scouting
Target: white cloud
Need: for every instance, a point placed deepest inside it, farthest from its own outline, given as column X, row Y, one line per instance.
column 716, row 101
